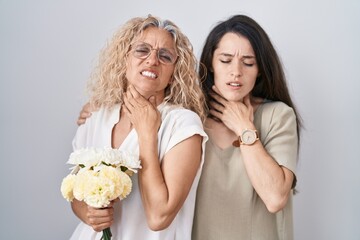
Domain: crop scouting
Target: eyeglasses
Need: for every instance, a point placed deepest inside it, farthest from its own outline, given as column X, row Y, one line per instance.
column 143, row 50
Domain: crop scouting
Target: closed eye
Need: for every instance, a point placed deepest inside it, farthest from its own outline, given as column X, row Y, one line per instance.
column 166, row 58
column 225, row 61
column 248, row 64
column 142, row 50
column 249, row 61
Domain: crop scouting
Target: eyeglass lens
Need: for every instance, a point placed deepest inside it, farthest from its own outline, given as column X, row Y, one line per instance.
column 143, row 50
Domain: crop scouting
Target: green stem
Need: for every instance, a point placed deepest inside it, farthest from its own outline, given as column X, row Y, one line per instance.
column 106, row 234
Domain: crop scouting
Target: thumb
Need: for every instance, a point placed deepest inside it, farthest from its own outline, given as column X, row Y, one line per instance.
column 152, row 100
column 247, row 101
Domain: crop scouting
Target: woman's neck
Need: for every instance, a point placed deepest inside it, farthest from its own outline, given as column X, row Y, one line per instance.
column 159, row 96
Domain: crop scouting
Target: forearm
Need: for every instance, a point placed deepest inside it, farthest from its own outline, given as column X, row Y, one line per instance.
column 154, row 191
column 271, row 181
column 164, row 187
column 156, row 201
column 80, row 209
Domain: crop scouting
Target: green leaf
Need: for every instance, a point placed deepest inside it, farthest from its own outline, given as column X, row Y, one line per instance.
column 122, row 168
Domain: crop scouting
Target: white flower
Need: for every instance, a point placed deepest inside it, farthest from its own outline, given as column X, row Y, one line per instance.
column 99, row 176
column 67, row 187
column 98, row 157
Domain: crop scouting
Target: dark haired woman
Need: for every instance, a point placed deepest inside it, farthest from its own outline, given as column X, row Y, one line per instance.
column 245, row 190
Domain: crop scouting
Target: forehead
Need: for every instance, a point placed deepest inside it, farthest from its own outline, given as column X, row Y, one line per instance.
column 157, row 37
column 232, row 43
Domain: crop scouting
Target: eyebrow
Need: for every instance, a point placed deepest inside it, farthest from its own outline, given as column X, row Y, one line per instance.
column 232, row 55
column 162, row 48
column 248, row 57
column 226, row 54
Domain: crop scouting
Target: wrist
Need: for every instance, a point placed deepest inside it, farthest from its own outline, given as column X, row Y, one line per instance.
column 247, row 137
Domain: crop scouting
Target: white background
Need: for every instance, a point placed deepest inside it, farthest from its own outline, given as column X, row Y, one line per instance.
column 48, row 49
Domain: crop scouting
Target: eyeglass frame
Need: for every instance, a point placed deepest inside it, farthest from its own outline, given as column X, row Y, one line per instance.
column 139, row 43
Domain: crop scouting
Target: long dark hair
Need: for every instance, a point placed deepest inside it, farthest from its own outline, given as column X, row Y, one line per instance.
column 271, row 82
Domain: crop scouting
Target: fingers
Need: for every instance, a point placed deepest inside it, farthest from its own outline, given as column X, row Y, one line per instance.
column 216, row 109
column 84, row 114
column 99, row 219
column 101, row 226
column 128, row 100
column 217, row 96
column 216, row 106
column 216, row 90
column 152, row 100
column 82, row 117
column 135, row 98
column 134, row 93
column 216, row 114
column 87, row 108
column 247, row 101
column 80, row 121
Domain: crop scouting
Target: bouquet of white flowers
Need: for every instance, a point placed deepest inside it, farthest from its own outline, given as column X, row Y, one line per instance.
column 99, row 176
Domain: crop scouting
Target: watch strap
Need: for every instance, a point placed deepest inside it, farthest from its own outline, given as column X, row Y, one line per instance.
column 238, row 142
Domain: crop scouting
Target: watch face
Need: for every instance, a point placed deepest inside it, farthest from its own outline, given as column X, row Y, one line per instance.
column 248, row 137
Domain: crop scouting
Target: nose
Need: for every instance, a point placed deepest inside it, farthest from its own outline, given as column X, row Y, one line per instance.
column 153, row 58
column 236, row 70
column 235, row 75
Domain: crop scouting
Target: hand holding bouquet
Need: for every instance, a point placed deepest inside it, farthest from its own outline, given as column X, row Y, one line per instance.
column 99, row 176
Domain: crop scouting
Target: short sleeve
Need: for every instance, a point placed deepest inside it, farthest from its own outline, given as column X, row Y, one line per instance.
column 279, row 134
column 177, row 125
column 182, row 124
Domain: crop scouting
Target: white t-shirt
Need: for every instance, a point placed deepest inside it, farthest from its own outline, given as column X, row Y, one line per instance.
column 130, row 222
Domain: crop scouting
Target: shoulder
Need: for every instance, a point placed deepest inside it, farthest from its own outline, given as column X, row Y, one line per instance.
column 102, row 115
column 177, row 125
column 275, row 105
column 105, row 112
column 179, row 115
column 275, row 116
column 276, row 110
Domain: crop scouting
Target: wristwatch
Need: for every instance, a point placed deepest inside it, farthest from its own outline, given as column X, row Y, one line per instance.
column 248, row 137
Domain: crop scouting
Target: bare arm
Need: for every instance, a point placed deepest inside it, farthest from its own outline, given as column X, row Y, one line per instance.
column 270, row 180
column 164, row 187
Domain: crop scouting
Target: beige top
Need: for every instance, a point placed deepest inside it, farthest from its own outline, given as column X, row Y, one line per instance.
column 227, row 206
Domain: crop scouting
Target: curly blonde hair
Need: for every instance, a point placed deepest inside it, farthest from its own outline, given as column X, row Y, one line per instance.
column 108, row 82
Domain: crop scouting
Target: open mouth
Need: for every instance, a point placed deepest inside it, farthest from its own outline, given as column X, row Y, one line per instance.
column 234, row 84
column 148, row 74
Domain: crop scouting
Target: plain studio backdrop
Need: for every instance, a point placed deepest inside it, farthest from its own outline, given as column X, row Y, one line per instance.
column 49, row 48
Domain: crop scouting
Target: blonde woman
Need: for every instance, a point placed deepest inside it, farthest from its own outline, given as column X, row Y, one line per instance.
column 148, row 101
